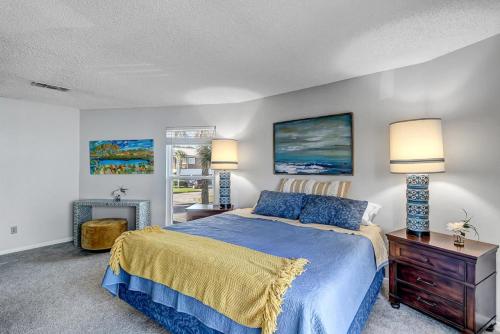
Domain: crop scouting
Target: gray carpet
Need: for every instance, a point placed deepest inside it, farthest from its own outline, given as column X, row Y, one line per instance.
column 57, row 289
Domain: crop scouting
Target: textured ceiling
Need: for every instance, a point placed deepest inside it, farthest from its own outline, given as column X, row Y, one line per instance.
column 124, row 53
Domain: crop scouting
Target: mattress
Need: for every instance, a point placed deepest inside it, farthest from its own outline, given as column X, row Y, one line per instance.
column 326, row 298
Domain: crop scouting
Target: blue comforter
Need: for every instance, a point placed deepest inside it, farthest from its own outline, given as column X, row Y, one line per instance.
column 324, row 299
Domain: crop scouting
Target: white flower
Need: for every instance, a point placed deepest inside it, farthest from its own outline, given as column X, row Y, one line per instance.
column 455, row 226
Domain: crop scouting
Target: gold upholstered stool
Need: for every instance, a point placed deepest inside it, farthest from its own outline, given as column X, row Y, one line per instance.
column 100, row 234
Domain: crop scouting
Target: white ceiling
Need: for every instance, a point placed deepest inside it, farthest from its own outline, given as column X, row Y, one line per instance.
column 125, row 53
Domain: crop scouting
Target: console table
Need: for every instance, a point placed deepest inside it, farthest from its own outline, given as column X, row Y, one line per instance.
column 82, row 211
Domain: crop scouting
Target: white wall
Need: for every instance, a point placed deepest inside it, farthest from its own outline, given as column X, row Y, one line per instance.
column 39, row 165
column 462, row 88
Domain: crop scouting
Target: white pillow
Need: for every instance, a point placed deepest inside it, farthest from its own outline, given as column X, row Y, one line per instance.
column 371, row 211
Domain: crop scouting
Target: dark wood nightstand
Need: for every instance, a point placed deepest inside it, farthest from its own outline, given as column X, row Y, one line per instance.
column 456, row 285
column 197, row 211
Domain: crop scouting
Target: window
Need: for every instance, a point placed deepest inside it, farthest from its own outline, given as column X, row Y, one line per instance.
column 189, row 177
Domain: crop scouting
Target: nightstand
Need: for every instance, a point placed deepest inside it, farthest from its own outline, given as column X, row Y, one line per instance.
column 197, row 211
column 456, row 285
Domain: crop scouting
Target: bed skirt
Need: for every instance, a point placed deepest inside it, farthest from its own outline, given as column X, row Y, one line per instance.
column 181, row 323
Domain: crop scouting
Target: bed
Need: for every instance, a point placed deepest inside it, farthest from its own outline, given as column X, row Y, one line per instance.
column 334, row 295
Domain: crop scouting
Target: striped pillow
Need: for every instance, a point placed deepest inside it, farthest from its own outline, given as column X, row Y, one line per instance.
column 308, row 186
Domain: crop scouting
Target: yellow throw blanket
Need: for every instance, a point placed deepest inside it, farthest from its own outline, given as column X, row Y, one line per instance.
column 245, row 285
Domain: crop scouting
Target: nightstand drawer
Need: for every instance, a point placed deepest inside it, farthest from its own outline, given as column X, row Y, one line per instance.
column 436, row 284
column 432, row 260
column 197, row 211
column 432, row 304
column 199, row 215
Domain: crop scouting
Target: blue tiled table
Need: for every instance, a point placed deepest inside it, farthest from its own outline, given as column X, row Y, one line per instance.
column 82, row 211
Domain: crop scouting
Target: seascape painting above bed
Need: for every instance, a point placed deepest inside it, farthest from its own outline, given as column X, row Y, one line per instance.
column 314, row 146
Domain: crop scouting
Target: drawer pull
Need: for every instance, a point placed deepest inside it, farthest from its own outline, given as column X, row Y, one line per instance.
column 420, row 299
column 421, row 280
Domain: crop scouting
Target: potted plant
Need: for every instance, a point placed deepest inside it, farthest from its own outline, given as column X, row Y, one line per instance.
column 118, row 193
column 460, row 228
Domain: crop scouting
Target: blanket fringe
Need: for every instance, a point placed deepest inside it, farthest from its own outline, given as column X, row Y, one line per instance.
column 116, row 250
column 278, row 288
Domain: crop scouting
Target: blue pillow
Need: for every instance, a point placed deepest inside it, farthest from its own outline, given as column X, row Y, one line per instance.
column 278, row 204
column 331, row 210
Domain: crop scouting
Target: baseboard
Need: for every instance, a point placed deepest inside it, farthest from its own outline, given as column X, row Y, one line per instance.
column 41, row 244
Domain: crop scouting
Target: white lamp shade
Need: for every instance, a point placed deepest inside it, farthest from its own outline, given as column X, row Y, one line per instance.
column 224, row 154
column 416, row 146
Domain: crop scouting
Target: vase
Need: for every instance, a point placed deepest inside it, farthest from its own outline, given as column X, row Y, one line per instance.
column 459, row 240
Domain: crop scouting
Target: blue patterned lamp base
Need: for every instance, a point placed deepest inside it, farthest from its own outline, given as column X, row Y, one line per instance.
column 417, row 204
column 225, row 190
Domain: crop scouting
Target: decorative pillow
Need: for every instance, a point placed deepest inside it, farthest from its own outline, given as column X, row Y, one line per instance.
column 371, row 211
column 330, row 210
column 308, row 186
column 276, row 204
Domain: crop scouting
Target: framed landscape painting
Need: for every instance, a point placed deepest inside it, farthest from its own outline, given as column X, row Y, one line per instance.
column 121, row 156
column 314, row 146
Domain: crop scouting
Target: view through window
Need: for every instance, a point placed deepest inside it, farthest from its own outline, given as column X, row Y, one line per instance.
column 189, row 177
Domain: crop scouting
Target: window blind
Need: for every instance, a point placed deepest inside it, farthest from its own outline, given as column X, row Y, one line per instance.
column 190, row 135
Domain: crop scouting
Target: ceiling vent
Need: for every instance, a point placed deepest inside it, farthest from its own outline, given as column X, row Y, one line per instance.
column 43, row 85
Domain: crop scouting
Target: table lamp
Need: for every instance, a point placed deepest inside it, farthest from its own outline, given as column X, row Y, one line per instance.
column 416, row 149
column 224, row 159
